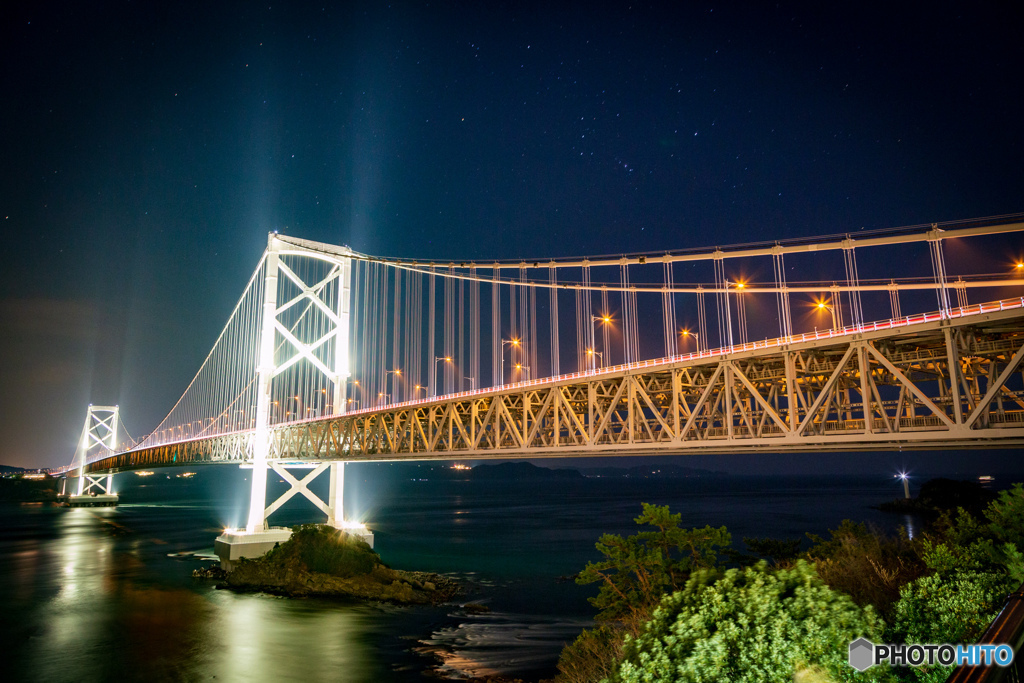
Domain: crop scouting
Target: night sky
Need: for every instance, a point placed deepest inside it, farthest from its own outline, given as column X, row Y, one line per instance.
column 146, row 152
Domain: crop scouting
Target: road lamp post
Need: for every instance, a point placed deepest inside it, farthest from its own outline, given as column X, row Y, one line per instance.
column 438, row 359
column 521, row 368
column 696, row 337
column 605, row 320
column 472, row 383
column 398, row 374
column 822, row 306
column 507, row 342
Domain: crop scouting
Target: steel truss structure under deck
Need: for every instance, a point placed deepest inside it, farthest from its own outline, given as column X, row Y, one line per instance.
column 944, row 382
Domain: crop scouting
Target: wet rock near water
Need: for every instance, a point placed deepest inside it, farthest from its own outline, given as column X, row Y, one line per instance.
column 212, row 572
column 320, row 561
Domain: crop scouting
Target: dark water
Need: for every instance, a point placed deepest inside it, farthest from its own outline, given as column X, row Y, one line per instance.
column 95, row 595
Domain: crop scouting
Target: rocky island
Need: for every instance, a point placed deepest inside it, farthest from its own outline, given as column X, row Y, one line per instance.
column 319, row 560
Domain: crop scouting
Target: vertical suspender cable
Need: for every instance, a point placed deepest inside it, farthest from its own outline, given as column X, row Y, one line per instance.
column 524, row 323
column 461, row 368
column 474, row 328
column 396, row 326
column 449, row 340
column 534, row 368
column 496, row 345
column 852, row 279
column 432, row 334
column 553, row 279
column 606, row 329
column 702, row 321
column 588, row 319
column 668, row 307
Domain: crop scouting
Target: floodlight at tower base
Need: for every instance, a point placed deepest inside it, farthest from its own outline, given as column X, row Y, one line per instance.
column 356, row 530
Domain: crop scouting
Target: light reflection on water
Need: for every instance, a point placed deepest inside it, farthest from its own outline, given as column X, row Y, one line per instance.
column 92, row 594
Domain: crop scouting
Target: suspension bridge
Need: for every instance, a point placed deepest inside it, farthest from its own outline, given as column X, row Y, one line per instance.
column 332, row 356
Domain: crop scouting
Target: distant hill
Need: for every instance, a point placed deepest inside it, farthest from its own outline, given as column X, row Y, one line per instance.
column 7, row 469
column 650, row 472
column 520, row 470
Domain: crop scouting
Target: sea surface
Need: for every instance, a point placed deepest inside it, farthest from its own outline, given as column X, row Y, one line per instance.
column 107, row 594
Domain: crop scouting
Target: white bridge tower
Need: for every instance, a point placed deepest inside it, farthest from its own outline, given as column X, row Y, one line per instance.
column 288, row 288
column 99, row 432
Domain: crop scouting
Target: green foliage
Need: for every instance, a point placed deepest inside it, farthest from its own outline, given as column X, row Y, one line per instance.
column 1006, row 516
column 949, row 607
column 593, row 656
column 866, row 565
column 751, row 625
column 636, row 571
column 324, row 549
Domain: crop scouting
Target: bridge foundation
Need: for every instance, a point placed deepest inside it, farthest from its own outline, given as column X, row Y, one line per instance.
column 258, row 537
column 103, row 496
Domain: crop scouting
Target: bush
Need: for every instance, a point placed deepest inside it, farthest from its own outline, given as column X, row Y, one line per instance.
column 593, row 656
column 866, row 565
column 751, row 625
column 326, row 550
column 953, row 607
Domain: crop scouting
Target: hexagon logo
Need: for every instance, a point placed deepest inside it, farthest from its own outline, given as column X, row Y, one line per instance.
column 862, row 654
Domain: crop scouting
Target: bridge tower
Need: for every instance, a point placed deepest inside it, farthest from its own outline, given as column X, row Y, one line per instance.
column 279, row 350
column 98, row 432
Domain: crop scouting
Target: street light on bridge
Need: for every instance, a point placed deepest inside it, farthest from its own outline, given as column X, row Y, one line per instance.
column 605, row 320
column 438, row 359
column 397, row 373
column 684, row 333
column 514, row 343
column 822, row 306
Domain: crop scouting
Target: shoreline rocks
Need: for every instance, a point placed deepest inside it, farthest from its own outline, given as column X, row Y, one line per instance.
column 319, row 561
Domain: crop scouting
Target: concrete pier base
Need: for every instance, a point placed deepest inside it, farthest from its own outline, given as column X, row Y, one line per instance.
column 89, row 500
column 235, row 544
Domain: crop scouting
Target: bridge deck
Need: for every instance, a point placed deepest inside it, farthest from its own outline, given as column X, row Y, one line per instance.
column 923, row 381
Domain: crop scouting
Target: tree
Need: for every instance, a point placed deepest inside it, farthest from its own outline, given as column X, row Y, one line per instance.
column 638, row 570
column 1006, row 516
column 751, row 625
column 947, row 607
